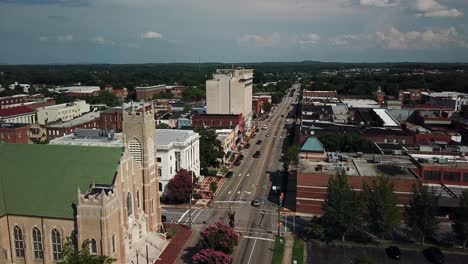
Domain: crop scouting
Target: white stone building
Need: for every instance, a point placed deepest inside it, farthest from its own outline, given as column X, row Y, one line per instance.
column 177, row 149
column 230, row 92
column 62, row 112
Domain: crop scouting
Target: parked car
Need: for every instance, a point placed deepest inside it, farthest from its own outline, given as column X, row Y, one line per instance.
column 267, row 135
column 253, row 136
column 247, row 145
column 257, row 154
column 264, row 127
column 241, row 156
column 434, row 255
column 393, row 252
column 229, row 174
column 255, row 203
column 259, row 142
column 256, row 130
column 163, row 218
column 237, row 162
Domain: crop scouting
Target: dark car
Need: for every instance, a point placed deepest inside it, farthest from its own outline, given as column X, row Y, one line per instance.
column 241, row 156
column 237, row 162
column 229, row 174
column 256, row 130
column 393, row 252
column 257, row 154
column 282, row 115
column 163, row 218
column 259, row 142
column 247, row 145
column 434, row 255
column 253, row 136
column 255, row 203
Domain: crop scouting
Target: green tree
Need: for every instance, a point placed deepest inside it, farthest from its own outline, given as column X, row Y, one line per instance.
column 380, row 202
column 341, row 208
column 267, row 107
column 163, row 126
column 82, row 256
column 213, row 187
column 420, row 215
column 293, row 152
column 104, row 97
column 210, row 147
column 460, row 219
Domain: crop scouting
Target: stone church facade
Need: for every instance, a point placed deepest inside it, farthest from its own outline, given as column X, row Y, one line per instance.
column 120, row 214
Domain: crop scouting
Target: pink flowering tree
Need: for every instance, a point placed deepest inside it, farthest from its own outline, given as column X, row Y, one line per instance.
column 209, row 256
column 178, row 188
column 220, row 237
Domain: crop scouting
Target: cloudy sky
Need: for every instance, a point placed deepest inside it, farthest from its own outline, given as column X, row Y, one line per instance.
column 141, row 31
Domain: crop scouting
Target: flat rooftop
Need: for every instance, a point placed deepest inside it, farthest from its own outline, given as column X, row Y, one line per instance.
column 166, row 137
column 389, row 165
column 77, row 121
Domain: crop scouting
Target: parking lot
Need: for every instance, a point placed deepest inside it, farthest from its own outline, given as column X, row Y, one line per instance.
column 323, row 254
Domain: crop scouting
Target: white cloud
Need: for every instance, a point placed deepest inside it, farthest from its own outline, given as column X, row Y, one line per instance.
column 350, row 40
column 102, row 41
column 308, row 39
column 260, row 41
column 43, row 38
column 432, row 8
column 395, row 39
column 151, row 35
column 379, row 3
column 65, row 38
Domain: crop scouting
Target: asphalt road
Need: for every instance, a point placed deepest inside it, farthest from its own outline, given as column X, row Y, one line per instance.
column 252, row 179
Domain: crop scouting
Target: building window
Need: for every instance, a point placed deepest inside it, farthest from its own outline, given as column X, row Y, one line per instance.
column 432, row 175
column 138, row 198
column 160, row 187
column 56, row 245
column 465, row 177
column 19, row 242
column 129, row 204
column 93, row 246
column 113, row 243
column 158, row 159
column 452, row 176
column 38, row 248
column 159, row 172
column 135, row 150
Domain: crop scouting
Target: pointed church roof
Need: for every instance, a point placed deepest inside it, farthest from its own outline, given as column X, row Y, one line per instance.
column 42, row 180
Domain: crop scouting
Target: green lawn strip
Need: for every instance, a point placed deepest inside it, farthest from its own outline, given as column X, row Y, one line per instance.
column 279, row 250
column 298, row 251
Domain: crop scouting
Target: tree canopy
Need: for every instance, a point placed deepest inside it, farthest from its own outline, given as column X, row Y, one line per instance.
column 420, row 215
column 380, row 206
column 340, row 209
column 460, row 219
column 83, row 255
column 210, row 147
column 179, row 188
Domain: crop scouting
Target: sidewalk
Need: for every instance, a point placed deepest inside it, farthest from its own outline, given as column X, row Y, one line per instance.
column 175, row 246
column 288, row 248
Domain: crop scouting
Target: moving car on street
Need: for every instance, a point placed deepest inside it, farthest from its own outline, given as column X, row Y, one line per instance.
column 255, row 203
column 257, row 154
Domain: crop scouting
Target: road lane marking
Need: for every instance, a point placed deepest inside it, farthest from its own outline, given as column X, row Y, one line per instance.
column 259, row 238
column 251, row 253
column 182, row 217
column 197, row 216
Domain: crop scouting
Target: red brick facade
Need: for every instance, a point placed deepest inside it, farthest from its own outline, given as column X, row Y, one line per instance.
column 14, row 133
column 111, row 120
column 218, row 121
column 312, row 190
column 9, row 100
column 55, row 132
column 147, row 93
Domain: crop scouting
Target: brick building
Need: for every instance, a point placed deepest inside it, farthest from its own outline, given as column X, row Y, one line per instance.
column 89, row 120
column 147, row 92
column 412, row 95
column 11, row 100
column 15, row 133
column 257, row 106
column 18, row 115
column 111, row 119
column 313, row 176
column 218, row 121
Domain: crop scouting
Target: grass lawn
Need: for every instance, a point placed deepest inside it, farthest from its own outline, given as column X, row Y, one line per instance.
column 279, row 249
column 298, row 250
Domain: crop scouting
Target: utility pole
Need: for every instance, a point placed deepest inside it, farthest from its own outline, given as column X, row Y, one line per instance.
column 191, row 190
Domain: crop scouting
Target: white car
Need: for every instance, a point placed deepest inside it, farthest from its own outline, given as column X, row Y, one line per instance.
column 264, row 127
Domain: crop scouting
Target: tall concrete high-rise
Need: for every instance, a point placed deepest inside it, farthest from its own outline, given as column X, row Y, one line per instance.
column 230, row 92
